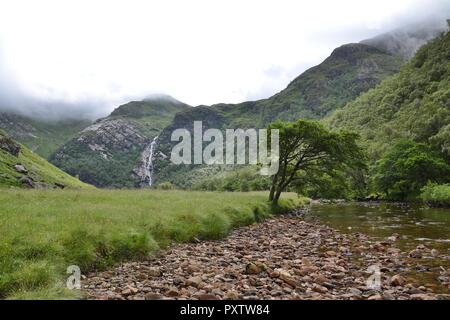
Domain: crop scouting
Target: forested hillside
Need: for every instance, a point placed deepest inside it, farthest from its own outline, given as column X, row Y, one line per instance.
column 413, row 104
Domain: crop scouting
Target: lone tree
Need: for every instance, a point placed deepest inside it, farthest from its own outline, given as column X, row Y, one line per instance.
column 307, row 147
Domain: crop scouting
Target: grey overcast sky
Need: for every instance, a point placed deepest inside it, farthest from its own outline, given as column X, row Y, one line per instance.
column 94, row 55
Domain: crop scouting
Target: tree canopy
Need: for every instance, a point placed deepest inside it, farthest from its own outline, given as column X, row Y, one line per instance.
column 407, row 167
column 307, row 148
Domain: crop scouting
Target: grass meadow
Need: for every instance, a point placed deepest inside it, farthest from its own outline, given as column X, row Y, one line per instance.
column 42, row 232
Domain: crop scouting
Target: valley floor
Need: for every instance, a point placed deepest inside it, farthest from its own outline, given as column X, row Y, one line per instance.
column 281, row 258
column 43, row 232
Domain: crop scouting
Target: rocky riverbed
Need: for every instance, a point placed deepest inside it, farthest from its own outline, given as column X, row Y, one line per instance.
column 281, row 258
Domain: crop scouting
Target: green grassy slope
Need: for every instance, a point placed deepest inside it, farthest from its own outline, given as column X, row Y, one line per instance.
column 43, row 232
column 40, row 172
column 43, row 137
column 413, row 104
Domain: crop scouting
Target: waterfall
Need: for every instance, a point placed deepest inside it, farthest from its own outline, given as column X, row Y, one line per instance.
column 145, row 169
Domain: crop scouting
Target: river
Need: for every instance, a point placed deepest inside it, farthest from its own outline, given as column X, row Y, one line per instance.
column 414, row 224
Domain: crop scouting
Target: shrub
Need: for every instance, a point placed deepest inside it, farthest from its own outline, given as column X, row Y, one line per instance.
column 436, row 195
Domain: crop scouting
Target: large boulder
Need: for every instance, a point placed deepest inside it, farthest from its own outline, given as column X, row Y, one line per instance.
column 8, row 145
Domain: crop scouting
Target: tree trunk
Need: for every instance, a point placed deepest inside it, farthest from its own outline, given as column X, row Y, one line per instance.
column 277, row 196
column 273, row 187
column 272, row 192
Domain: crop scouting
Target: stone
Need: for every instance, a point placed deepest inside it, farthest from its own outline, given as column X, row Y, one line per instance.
column 172, row 292
column 274, row 274
column 330, row 253
column 129, row 291
column 252, row 268
column 27, row 181
column 8, row 145
column 154, row 272
column 204, row 296
column 194, row 281
column 153, row 296
column 420, row 296
column 20, row 168
column 290, row 280
column 397, row 280
column 318, row 288
column 232, row 295
column 417, row 254
column 281, row 258
column 355, row 291
column 60, row 185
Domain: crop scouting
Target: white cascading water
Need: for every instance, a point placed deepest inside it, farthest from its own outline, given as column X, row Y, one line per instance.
column 148, row 163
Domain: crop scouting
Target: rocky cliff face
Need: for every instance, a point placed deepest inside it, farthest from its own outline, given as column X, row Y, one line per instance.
column 117, row 151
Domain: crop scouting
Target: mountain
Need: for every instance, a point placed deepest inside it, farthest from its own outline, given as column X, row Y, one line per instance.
column 350, row 70
column 20, row 167
column 405, row 41
column 116, row 151
column 41, row 136
column 122, row 150
column 413, row 104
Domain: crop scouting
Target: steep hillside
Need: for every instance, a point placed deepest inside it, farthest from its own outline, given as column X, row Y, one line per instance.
column 43, row 137
column 350, row 70
column 20, row 167
column 116, row 151
column 413, row 104
column 120, row 151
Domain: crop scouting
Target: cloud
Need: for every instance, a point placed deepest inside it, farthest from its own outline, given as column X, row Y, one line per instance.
column 87, row 57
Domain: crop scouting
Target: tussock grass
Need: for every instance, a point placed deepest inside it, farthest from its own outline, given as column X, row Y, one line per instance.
column 42, row 232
